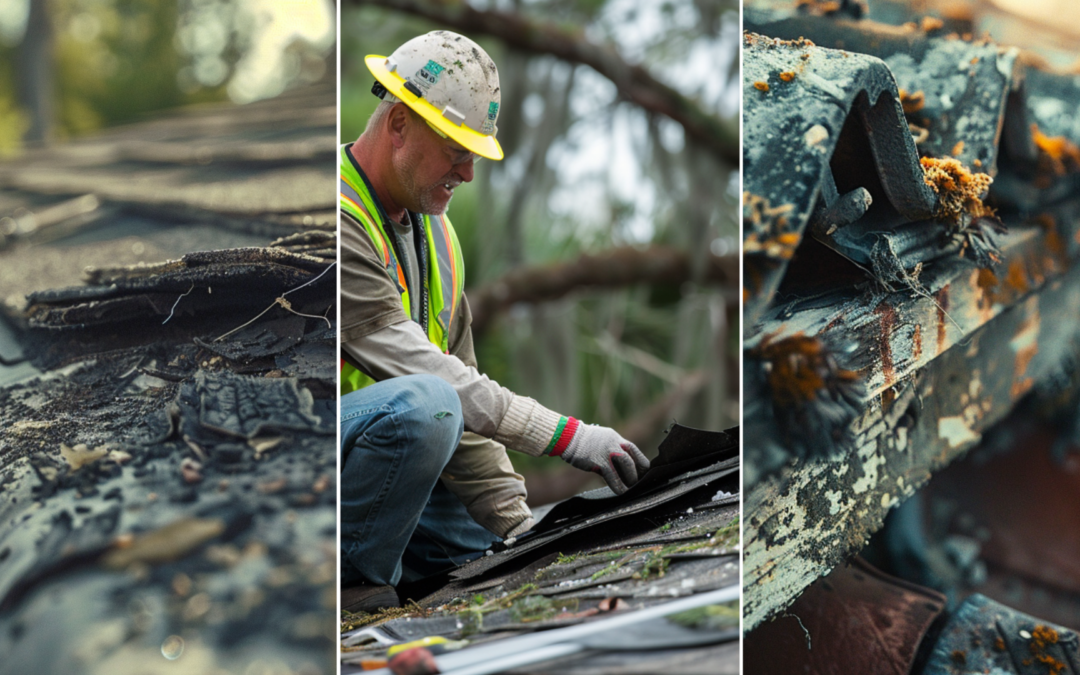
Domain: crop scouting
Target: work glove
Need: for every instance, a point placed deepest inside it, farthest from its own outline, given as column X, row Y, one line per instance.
column 521, row 528
column 604, row 451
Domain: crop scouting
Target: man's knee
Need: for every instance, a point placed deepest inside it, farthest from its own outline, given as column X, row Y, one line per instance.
column 419, row 412
column 432, row 410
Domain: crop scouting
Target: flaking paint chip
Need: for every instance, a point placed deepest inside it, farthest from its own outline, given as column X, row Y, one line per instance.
column 816, row 134
column 79, row 456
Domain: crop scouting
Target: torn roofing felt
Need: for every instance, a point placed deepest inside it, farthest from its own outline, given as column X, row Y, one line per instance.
column 683, row 450
column 594, row 556
column 167, row 393
column 689, row 459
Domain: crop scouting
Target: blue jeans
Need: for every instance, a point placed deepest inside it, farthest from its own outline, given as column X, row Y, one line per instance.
column 398, row 521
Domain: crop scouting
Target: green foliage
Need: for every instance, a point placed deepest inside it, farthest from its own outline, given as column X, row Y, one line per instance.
column 117, row 61
column 13, row 121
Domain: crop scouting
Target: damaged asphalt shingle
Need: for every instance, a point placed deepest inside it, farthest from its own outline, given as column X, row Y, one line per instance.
column 593, row 555
column 200, row 522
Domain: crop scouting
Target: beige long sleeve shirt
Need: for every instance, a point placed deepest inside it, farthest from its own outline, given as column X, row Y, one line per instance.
column 382, row 341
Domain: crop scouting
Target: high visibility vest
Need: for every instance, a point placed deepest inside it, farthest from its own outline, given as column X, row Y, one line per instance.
column 443, row 283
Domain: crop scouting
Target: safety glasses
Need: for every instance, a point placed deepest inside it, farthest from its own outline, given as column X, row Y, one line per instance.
column 457, row 155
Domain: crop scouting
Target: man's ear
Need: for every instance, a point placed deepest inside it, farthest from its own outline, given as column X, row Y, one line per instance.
column 398, row 124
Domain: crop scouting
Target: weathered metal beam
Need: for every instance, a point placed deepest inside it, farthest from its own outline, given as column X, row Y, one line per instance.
column 940, row 370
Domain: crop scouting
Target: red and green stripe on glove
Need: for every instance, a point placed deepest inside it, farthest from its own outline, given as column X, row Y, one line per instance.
column 599, row 449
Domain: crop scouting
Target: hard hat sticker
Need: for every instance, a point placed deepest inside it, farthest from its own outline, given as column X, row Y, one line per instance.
column 488, row 127
column 430, row 73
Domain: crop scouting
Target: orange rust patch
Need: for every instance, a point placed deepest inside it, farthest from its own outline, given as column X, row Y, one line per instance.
column 959, row 191
column 787, row 76
column 818, row 7
column 916, row 342
column 942, row 299
column 761, row 86
column 987, row 282
column 913, row 102
column 958, row 12
column 768, row 225
column 1045, row 221
column 1016, row 278
column 1054, row 244
column 930, row 23
column 1057, row 156
column 999, row 644
column 752, row 39
column 888, row 323
column 799, row 367
column 887, row 398
column 1041, row 638
column 754, row 279
column 1028, row 347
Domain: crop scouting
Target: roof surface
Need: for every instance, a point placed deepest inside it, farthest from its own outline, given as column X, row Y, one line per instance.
column 168, row 460
column 590, row 558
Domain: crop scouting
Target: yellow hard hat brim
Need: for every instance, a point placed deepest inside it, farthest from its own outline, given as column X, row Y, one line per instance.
column 473, row 141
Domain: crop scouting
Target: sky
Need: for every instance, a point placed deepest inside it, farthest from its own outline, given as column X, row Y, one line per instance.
column 271, row 26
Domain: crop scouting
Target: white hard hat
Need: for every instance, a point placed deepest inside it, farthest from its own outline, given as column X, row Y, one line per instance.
column 451, row 82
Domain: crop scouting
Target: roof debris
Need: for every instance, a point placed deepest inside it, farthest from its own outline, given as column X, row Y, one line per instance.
column 139, row 442
column 591, row 557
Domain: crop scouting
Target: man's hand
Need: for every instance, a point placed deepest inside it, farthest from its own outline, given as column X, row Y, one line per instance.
column 521, row 528
column 603, row 450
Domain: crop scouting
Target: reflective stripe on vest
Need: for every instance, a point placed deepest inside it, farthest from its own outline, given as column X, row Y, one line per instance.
column 445, row 281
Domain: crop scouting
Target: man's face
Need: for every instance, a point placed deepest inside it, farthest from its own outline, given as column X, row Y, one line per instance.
column 429, row 167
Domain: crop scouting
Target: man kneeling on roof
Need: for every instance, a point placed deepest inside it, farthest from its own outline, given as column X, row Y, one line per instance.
column 425, row 481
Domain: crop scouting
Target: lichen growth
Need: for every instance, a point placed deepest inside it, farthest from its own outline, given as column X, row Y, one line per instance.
column 1041, row 638
column 769, row 229
column 959, row 191
column 912, row 102
column 1057, row 154
column 800, row 368
column 350, row 621
column 709, row 617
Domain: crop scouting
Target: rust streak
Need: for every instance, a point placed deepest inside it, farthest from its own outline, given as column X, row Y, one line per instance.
column 942, row 299
column 1016, row 278
column 888, row 323
column 916, row 343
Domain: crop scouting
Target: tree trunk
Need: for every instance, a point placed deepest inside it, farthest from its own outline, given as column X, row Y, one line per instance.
column 34, row 73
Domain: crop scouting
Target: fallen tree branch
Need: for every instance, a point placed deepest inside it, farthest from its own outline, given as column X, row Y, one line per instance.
column 615, row 268
column 634, row 82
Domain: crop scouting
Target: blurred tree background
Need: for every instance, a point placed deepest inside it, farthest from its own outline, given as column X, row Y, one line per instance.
column 601, row 254
column 70, row 67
